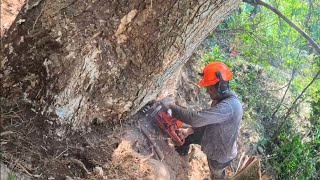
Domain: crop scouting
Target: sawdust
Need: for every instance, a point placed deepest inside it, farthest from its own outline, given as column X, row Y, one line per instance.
column 130, row 163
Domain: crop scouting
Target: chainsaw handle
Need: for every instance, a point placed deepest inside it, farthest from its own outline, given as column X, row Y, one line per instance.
column 168, row 124
column 178, row 140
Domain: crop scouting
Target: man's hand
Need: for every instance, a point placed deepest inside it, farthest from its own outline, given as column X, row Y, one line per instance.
column 167, row 101
column 184, row 133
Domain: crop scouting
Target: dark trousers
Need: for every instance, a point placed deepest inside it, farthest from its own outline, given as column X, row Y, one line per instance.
column 217, row 169
column 194, row 138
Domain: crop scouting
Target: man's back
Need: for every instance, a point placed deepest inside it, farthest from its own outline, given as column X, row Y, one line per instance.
column 219, row 139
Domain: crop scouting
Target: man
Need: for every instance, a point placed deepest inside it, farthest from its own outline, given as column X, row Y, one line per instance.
column 215, row 129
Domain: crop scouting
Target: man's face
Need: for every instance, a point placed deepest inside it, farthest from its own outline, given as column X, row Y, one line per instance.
column 213, row 92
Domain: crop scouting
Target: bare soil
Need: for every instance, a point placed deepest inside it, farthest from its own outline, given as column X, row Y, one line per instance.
column 30, row 144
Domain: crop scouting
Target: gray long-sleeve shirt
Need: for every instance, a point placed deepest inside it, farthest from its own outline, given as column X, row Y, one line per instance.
column 222, row 123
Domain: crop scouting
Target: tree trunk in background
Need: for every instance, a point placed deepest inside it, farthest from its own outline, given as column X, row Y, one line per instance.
column 78, row 60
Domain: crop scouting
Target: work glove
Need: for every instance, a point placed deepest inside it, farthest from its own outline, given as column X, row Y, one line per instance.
column 167, row 101
column 185, row 132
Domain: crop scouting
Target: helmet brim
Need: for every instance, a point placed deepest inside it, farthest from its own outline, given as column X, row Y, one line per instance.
column 204, row 83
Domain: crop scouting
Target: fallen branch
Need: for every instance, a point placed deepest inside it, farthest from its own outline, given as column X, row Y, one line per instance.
column 27, row 172
column 278, row 88
column 153, row 143
column 62, row 153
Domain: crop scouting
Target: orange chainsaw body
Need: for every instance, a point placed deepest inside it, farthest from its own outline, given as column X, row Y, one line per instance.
column 170, row 126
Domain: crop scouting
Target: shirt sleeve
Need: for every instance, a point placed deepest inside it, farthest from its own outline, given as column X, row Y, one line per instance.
column 216, row 114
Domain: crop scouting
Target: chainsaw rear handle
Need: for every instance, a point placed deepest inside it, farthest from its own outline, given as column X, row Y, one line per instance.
column 176, row 138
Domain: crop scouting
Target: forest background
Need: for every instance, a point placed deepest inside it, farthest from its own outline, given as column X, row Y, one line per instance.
column 281, row 89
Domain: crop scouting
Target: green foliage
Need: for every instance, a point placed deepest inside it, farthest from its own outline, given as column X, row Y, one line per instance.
column 216, row 55
column 297, row 156
column 12, row 176
column 295, row 159
column 264, row 40
column 315, row 105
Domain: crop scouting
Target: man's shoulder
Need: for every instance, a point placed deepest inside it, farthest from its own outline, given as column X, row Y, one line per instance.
column 232, row 97
column 233, row 101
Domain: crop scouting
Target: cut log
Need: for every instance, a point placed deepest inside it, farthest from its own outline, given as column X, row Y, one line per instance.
column 251, row 169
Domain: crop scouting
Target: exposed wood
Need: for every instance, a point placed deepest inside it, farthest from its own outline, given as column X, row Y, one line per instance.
column 251, row 169
column 240, row 161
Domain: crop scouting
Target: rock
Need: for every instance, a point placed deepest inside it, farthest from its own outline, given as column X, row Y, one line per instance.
column 98, row 170
column 260, row 150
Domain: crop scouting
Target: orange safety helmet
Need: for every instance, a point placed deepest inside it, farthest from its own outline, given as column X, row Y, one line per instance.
column 210, row 74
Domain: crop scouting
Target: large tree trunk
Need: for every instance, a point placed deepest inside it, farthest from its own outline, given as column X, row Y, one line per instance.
column 79, row 60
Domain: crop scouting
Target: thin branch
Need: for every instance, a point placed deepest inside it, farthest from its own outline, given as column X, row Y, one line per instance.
column 300, row 95
column 293, row 105
column 41, row 12
column 285, row 93
column 304, row 34
column 238, row 30
column 289, row 84
column 309, row 14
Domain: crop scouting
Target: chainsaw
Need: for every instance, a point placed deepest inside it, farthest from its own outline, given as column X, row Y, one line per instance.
column 166, row 122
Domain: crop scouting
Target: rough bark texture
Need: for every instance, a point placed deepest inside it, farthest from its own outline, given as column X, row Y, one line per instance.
column 80, row 60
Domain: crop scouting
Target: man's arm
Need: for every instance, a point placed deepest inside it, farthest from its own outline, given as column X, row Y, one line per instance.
column 217, row 114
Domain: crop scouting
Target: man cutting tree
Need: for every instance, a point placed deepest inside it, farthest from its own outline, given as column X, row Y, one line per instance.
column 215, row 129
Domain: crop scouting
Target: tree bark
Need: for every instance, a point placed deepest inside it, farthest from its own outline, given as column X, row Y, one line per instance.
column 78, row 60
